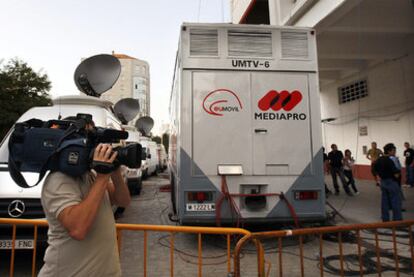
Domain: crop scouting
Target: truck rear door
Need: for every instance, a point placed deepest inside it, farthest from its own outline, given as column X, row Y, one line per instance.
column 221, row 121
column 281, row 123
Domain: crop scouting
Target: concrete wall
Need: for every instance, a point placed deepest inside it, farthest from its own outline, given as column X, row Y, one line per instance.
column 387, row 111
column 238, row 8
column 289, row 12
column 133, row 82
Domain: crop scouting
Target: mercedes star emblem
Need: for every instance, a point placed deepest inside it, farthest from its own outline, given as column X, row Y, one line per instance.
column 16, row 208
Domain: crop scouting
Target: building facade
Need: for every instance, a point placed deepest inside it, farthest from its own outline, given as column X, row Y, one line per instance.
column 365, row 62
column 133, row 82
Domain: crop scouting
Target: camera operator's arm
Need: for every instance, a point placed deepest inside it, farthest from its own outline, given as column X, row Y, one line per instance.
column 118, row 190
column 78, row 219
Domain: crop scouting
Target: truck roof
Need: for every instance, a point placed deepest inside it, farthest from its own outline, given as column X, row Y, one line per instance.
column 242, row 26
column 82, row 100
column 247, row 47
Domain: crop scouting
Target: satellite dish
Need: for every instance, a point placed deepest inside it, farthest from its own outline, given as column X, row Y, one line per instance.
column 126, row 109
column 144, row 125
column 97, row 74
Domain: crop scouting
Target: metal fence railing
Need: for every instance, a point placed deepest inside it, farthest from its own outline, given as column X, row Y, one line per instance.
column 372, row 249
column 229, row 233
column 349, row 250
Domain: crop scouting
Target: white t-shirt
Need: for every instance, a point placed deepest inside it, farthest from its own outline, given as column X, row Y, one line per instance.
column 97, row 254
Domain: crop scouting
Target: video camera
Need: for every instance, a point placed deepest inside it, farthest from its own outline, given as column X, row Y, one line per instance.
column 68, row 145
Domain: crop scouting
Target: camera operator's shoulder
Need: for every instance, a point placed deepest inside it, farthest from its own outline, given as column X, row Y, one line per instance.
column 56, row 179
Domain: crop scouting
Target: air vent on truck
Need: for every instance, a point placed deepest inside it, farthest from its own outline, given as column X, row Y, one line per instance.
column 249, row 44
column 294, row 45
column 203, row 42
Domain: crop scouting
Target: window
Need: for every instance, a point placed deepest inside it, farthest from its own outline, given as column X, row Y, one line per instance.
column 354, row 91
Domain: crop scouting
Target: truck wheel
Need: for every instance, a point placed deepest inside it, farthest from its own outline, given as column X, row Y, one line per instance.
column 134, row 186
column 139, row 186
column 172, row 184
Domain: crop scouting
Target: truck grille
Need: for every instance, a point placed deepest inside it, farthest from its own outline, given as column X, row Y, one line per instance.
column 27, row 208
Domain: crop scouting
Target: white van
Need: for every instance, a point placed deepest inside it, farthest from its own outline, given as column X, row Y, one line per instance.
column 162, row 156
column 28, row 199
column 150, row 165
column 134, row 175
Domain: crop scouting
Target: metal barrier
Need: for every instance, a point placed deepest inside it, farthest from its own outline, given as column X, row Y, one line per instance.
column 172, row 230
column 257, row 239
column 184, row 229
column 339, row 231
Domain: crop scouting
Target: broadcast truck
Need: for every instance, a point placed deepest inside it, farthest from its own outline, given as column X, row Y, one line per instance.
column 245, row 131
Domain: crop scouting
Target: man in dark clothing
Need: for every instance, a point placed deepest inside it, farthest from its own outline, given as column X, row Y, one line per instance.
column 390, row 191
column 335, row 161
column 409, row 164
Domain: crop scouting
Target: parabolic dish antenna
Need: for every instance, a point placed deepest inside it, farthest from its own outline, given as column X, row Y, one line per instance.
column 144, row 125
column 97, row 74
column 126, row 109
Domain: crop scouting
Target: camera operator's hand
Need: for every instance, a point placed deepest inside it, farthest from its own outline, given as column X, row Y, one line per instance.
column 104, row 154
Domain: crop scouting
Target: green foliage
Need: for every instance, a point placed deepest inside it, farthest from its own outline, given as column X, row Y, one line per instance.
column 166, row 141
column 157, row 139
column 20, row 89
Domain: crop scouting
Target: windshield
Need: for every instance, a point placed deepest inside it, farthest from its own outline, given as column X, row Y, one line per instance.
column 4, row 150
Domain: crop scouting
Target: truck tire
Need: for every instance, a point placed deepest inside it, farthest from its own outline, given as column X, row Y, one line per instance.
column 145, row 174
column 139, row 186
column 135, row 186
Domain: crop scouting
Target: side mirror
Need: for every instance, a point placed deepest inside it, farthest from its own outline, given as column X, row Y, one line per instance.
column 149, row 156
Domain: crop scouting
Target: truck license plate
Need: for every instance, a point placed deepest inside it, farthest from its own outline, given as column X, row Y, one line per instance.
column 18, row 244
column 196, row 207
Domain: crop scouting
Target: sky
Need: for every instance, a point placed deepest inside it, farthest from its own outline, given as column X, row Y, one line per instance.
column 52, row 37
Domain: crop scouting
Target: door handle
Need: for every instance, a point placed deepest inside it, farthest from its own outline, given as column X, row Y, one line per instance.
column 260, row 130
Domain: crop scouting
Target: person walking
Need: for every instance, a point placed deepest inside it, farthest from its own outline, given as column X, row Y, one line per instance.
column 335, row 162
column 82, row 237
column 390, row 192
column 373, row 154
column 348, row 162
column 326, row 170
column 409, row 165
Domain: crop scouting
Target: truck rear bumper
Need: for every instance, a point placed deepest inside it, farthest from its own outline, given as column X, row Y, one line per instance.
column 211, row 220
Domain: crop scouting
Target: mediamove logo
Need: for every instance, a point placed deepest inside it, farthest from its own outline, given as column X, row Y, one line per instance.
column 221, row 101
column 280, row 100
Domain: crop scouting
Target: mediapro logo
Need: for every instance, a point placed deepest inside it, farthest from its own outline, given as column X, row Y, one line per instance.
column 221, row 101
column 278, row 102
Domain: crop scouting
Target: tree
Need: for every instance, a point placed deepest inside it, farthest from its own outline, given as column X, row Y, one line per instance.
column 166, row 141
column 157, row 139
column 20, row 89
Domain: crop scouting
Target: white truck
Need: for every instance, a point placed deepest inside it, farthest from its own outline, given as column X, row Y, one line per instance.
column 245, row 141
column 134, row 175
column 17, row 202
column 162, row 157
column 150, row 164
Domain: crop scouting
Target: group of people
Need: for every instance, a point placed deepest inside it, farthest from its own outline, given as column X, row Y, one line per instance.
column 337, row 164
column 386, row 169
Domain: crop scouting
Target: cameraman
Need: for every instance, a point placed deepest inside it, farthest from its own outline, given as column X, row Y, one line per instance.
column 82, row 234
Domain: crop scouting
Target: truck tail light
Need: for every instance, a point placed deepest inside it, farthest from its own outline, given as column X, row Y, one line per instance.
column 306, row 195
column 199, row 196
